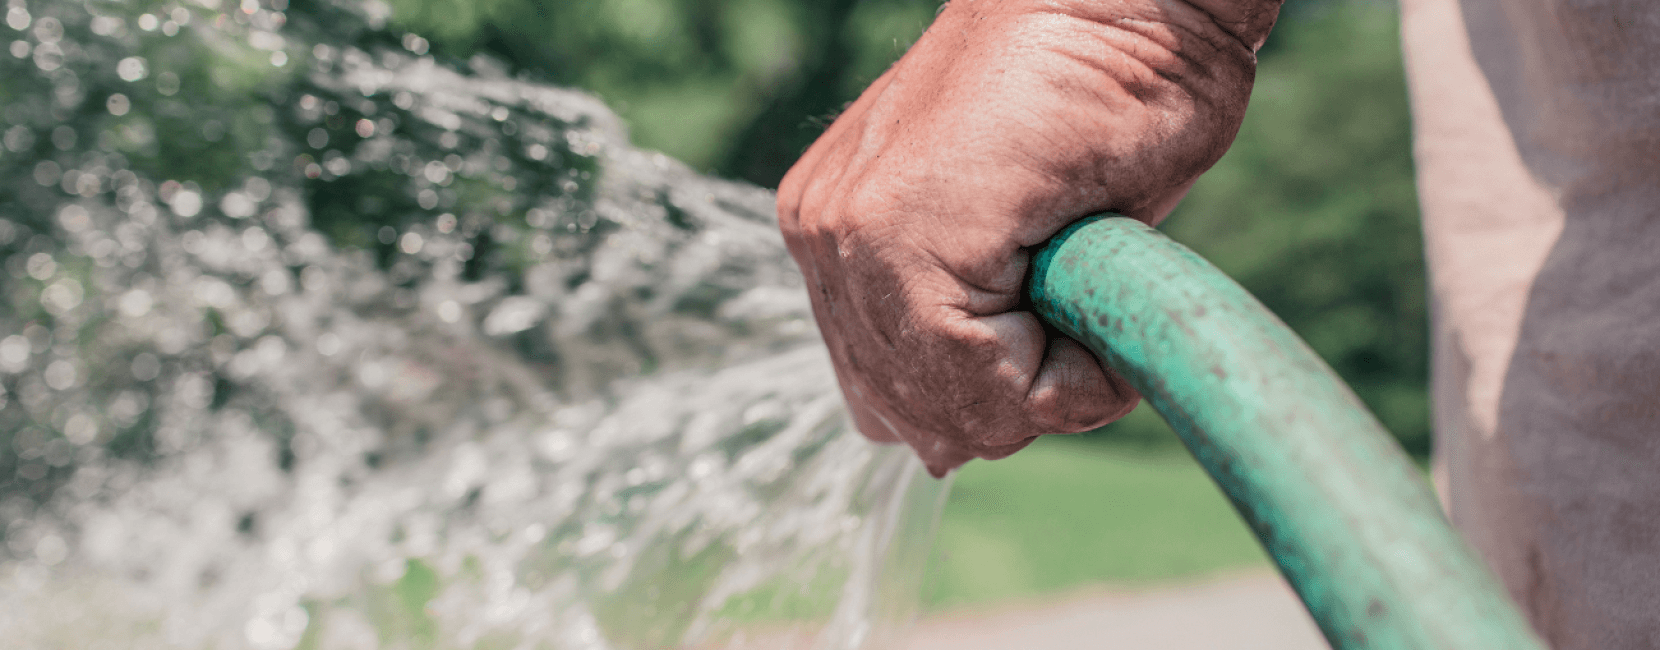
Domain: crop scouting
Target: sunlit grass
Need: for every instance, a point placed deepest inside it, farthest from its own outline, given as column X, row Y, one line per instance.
column 1067, row 513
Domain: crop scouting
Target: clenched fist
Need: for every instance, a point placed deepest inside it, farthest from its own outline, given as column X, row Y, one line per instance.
column 913, row 215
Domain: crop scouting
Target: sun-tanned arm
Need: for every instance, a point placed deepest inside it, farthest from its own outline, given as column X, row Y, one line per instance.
column 913, row 214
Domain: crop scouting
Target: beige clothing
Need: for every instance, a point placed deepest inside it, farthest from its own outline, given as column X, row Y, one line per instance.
column 1538, row 147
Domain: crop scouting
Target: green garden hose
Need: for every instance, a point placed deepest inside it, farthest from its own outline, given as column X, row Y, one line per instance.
column 1348, row 518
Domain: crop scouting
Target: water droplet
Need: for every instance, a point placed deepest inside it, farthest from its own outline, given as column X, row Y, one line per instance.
column 215, row 293
column 74, row 218
column 274, row 282
column 132, row 68
column 51, row 550
column 47, row 173
column 237, row 205
column 185, row 203
column 410, row 243
column 449, row 311
column 314, row 279
column 435, row 172
column 257, row 188
column 135, row 303
column 48, row 57
column 328, row 344
column 17, row 18
column 14, row 353
column 64, row 137
column 118, row 104
column 514, row 314
column 167, row 83
column 48, row 30
column 145, row 366
column 107, row 25
column 337, row 164
column 32, row 471
column 19, row 138
column 415, row 44
column 62, row 296
column 81, row 429
column 41, row 266
column 60, row 375
column 255, row 239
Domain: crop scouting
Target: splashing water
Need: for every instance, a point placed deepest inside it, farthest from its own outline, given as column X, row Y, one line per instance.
column 310, row 340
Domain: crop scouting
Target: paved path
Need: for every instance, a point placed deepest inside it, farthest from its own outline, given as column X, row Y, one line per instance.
column 1253, row 611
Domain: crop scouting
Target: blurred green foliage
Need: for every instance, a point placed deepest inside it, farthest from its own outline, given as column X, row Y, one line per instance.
column 735, row 87
column 1313, row 210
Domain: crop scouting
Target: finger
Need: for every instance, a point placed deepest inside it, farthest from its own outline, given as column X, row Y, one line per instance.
column 1038, row 384
column 1074, row 392
column 937, row 453
column 1161, row 205
column 1003, row 451
column 874, row 426
column 1019, row 340
column 941, row 462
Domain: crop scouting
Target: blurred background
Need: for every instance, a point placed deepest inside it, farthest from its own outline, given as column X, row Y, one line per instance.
column 1313, row 210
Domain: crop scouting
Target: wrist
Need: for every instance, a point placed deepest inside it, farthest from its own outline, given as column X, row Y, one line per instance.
column 1222, row 23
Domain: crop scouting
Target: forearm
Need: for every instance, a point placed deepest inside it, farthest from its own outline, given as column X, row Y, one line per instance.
column 1245, row 22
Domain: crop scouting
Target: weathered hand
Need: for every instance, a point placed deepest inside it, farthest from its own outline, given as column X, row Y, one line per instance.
column 912, row 216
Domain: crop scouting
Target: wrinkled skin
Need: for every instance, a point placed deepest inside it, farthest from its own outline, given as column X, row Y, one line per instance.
column 914, row 214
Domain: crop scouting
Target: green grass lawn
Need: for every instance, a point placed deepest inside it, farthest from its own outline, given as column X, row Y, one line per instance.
column 1126, row 505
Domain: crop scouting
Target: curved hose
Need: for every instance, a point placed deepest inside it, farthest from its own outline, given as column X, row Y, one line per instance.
column 1348, row 518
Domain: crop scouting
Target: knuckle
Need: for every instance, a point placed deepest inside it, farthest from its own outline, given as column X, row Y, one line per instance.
column 805, row 225
column 789, row 225
column 790, row 185
column 869, row 206
column 788, row 206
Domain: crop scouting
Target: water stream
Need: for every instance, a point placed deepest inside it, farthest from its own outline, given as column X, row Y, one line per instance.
column 308, row 340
